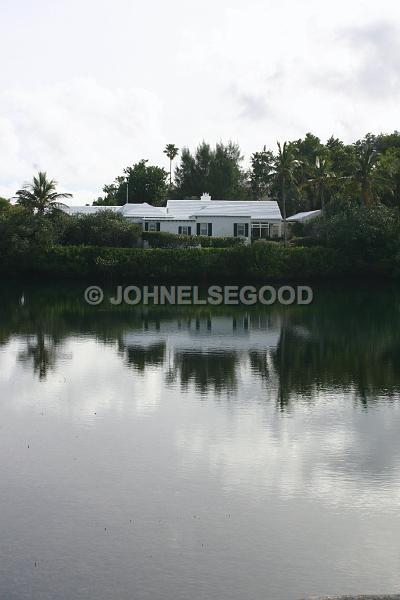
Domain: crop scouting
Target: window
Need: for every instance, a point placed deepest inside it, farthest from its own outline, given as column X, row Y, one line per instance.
column 184, row 230
column 152, row 226
column 260, row 230
column 241, row 230
column 203, row 229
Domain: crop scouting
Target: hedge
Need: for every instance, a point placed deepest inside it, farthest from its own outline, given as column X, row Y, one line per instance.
column 162, row 239
column 258, row 263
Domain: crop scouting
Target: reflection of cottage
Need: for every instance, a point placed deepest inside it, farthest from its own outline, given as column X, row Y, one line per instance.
column 205, row 350
column 240, row 333
column 206, row 217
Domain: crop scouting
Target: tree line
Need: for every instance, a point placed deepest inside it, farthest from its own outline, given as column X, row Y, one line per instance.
column 302, row 174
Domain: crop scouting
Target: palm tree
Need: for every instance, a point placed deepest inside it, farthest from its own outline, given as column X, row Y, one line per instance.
column 367, row 162
column 322, row 177
column 41, row 194
column 285, row 165
column 172, row 152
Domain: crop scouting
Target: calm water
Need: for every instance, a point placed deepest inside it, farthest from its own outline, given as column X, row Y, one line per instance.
column 184, row 454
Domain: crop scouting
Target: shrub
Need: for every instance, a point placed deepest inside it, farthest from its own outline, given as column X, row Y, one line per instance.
column 305, row 241
column 4, row 204
column 105, row 228
column 22, row 232
column 161, row 239
column 367, row 234
column 259, row 263
column 296, row 229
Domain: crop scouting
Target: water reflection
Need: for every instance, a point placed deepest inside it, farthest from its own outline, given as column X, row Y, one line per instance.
column 346, row 340
column 186, row 453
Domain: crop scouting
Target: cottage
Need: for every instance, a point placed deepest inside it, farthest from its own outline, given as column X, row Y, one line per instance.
column 217, row 218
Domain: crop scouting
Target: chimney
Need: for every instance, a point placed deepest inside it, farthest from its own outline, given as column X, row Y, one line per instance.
column 205, row 198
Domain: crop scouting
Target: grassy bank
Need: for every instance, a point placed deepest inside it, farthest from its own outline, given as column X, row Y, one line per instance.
column 258, row 263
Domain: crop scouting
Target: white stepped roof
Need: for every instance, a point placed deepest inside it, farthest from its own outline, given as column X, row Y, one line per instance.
column 142, row 210
column 183, row 209
column 127, row 210
column 190, row 209
column 262, row 210
column 304, row 216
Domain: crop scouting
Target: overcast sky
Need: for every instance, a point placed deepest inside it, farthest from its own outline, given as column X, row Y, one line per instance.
column 90, row 86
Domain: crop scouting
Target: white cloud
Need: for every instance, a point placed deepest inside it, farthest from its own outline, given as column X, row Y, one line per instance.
column 137, row 76
column 81, row 132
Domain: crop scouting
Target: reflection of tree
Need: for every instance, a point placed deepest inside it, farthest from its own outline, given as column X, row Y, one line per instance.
column 141, row 357
column 347, row 340
column 42, row 351
column 207, row 370
column 344, row 343
column 259, row 364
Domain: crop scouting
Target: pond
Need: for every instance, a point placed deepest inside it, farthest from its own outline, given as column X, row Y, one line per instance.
column 212, row 453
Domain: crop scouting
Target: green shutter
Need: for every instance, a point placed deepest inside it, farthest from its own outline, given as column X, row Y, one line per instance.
column 146, row 226
column 210, row 229
column 198, row 228
column 180, row 230
column 189, row 231
column 246, row 230
column 235, row 230
column 158, row 226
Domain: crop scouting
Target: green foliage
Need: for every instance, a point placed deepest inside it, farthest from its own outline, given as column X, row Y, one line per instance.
column 367, row 236
column 297, row 229
column 4, row 204
column 216, row 171
column 305, row 241
column 172, row 152
column 104, row 228
column 367, row 172
column 22, row 232
column 261, row 173
column 40, row 195
column 262, row 262
column 146, row 183
column 161, row 239
column 286, row 164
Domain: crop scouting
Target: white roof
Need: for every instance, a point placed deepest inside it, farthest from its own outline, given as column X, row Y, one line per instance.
column 127, row 210
column 186, row 210
column 142, row 210
column 183, row 209
column 304, row 216
column 262, row 210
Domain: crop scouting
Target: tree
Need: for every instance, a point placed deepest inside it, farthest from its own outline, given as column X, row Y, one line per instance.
column 145, row 183
column 23, row 231
column 367, row 161
column 261, row 173
column 4, row 203
column 172, row 152
column 105, row 228
column 214, row 170
column 285, row 165
column 40, row 195
column 341, row 156
column 322, row 178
